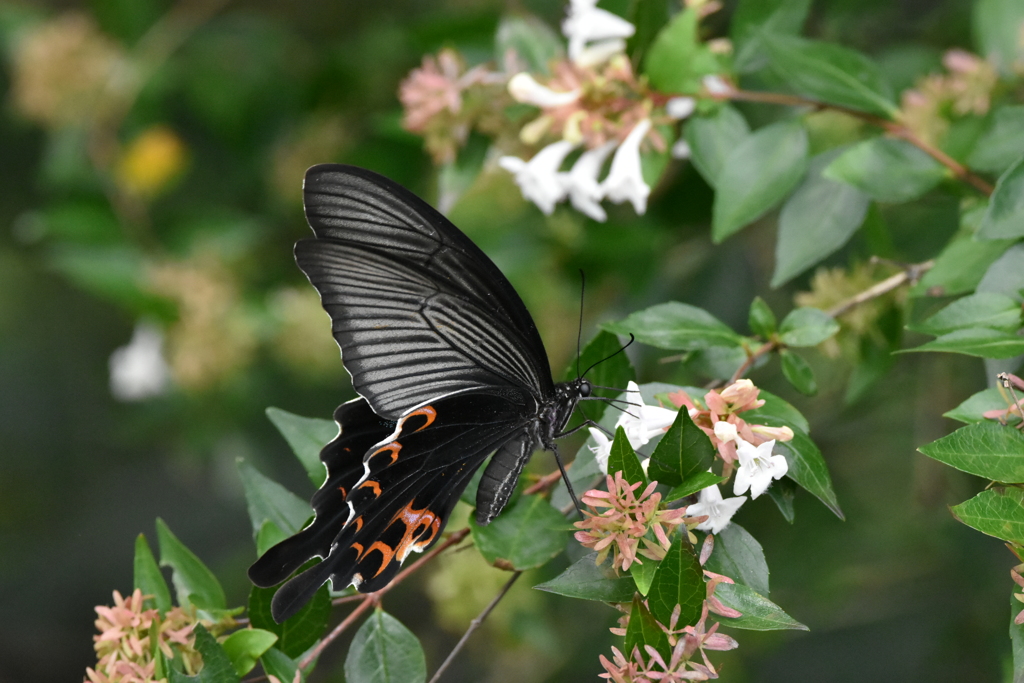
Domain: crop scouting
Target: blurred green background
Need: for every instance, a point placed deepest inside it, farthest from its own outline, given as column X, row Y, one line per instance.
column 171, row 194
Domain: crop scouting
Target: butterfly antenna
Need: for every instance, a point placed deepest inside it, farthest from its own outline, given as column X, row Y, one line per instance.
column 579, row 332
column 623, row 348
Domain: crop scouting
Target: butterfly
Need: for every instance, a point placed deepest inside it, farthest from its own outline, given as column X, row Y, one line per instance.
column 449, row 368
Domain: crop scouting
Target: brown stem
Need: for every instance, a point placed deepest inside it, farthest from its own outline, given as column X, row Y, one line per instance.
column 910, row 274
column 544, row 483
column 374, row 598
column 763, row 350
column 894, row 128
column 474, row 625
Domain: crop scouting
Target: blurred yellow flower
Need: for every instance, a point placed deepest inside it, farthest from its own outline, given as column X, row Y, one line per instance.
column 150, row 163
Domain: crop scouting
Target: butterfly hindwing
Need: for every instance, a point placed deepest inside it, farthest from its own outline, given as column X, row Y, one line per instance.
column 410, row 483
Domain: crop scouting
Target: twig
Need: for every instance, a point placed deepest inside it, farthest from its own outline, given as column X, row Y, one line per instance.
column 544, row 483
column 374, row 598
column 910, row 274
column 474, row 625
column 762, row 350
column 892, row 127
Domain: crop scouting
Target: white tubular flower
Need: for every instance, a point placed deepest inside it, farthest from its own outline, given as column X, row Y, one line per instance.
column 138, row 370
column 718, row 510
column 581, row 182
column 643, row 422
column 758, row 467
column 602, row 450
column 538, row 179
column 680, row 107
column 524, row 88
column 585, row 23
column 625, row 179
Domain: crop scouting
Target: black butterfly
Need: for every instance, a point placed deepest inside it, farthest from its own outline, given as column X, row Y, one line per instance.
column 449, row 367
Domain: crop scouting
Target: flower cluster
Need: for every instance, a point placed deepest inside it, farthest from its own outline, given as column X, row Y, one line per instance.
column 130, row 636
column 639, row 421
column 965, row 89
column 629, row 519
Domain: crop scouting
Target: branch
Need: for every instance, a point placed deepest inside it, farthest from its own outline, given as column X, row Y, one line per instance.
column 474, row 625
column 910, row 274
column 374, row 598
column 894, row 128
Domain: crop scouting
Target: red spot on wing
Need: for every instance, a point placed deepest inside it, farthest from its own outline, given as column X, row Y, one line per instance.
column 372, row 485
column 426, row 411
column 385, row 550
column 391, row 448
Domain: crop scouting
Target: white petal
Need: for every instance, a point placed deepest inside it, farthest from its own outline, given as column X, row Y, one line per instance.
column 716, row 85
column 602, row 450
column 586, row 22
column 138, row 370
column 742, row 481
column 538, row 178
column 525, row 89
column 581, row 182
column 599, row 53
column 625, row 179
column 681, row 149
column 710, row 494
column 680, row 107
column 725, row 431
column 779, row 466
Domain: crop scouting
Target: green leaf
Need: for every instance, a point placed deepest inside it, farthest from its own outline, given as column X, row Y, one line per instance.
column 533, row 41
column 978, row 341
column 984, row 309
column 277, row 663
column 148, row 578
column 307, row 436
column 798, row 373
column 677, row 327
column 806, row 465
column 385, row 651
column 523, row 537
column 1002, row 144
column 698, row 482
column 757, row 174
column 269, row 501
column 996, row 512
column 1006, row 274
column 622, row 458
column 268, row 536
column 887, row 170
column 643, row 630
column 245, row 646
column 587, row 581
column 960, row 267
column 996, row 26
column 783, row 494
column 683, row 452
column 643, row 575
column 830, row 73
column 753, row 17
column 678, row 60
column 818, row 219
column 193, row 582
column 986, row 449
column 302, row 630
column 971, row 410
column 610, row 369
column 217, row 667
column 712, row 138
column 739, row 556
column 649, row 18
column 761, row 319
column 779, row 409
column 807, row 326
column 1005, row 216
column 759, row 613
column 679, row 580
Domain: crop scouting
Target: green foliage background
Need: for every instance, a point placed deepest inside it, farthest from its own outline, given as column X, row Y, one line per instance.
column 898, row 592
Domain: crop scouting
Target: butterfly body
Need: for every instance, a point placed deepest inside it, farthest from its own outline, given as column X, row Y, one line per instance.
column 449, row 368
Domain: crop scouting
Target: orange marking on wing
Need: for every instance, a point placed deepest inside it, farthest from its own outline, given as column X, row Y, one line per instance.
column 392, row 448
column 358, row 521
column 427, row 412
column 373, row 485
column 385, row 550
column 344, row 493
column 417, row 524
column 359, row 549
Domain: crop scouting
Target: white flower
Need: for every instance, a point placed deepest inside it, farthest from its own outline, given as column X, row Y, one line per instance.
column 138, row 370
column 718, row 510
column 625, row 179
column 538, row 178
column 725, row 431
column 602, row 450
column 643, row 422
column 585, row 23
column 716, row 85
column 581, row 182
column 680, row 107
column 681, row 149
column 525, row 89
column 758, row 467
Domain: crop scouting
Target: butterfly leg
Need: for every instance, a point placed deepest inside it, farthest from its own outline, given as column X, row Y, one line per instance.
column 565, row 477
column 585, row 423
